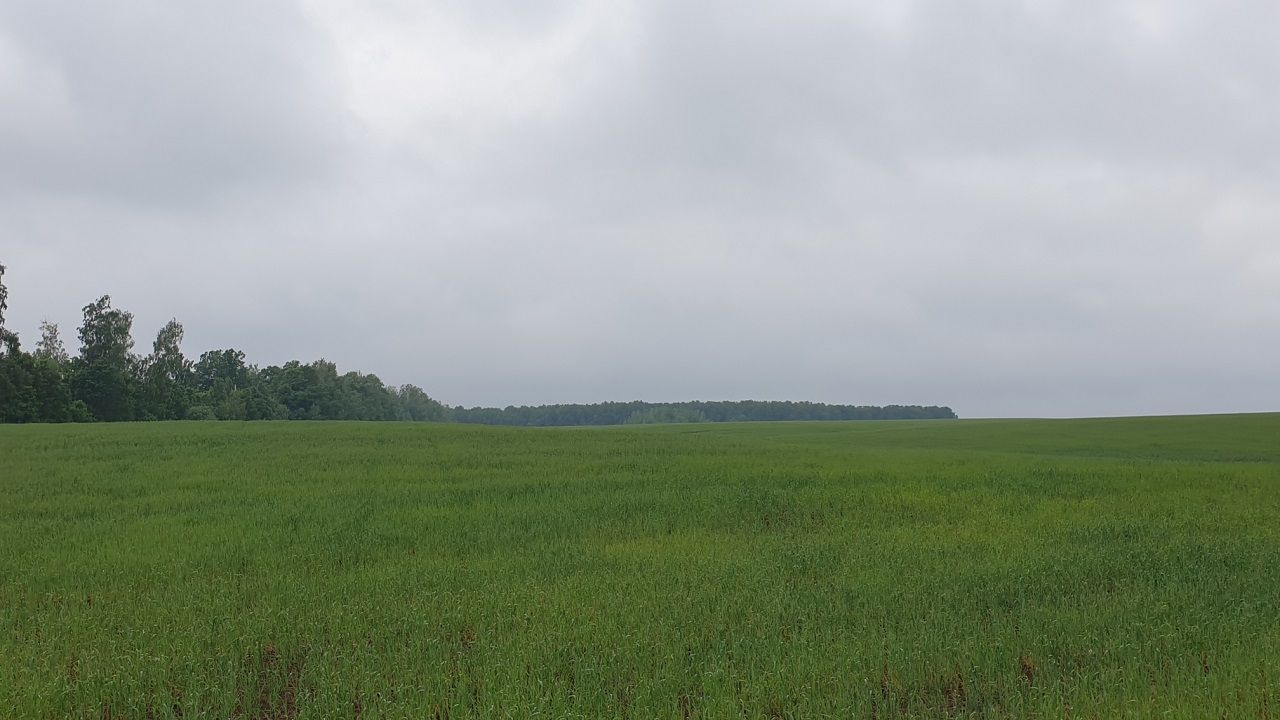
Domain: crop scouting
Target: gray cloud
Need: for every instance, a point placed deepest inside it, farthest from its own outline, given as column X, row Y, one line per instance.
column 1029, row 208
column 152, row 103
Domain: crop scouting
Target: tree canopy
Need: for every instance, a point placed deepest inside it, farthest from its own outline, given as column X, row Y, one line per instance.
column 637, row 412
column 107, row 381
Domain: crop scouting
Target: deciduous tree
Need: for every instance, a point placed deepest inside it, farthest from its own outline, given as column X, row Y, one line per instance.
column 50, row 347
column 168, row 376
column 104, row 374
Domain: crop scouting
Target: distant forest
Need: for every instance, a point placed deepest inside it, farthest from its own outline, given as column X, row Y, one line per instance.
column 108, row 382
column 624, row 413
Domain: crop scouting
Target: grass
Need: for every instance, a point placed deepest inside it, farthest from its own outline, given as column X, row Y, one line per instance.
column 1083, row 568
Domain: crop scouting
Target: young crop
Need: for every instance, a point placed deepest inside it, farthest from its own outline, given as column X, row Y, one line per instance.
column 998, row 569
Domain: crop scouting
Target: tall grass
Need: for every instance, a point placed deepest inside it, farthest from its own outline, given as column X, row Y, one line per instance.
column 1092, row 568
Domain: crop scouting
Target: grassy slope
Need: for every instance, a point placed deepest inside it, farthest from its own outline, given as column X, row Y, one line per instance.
column 991, row 568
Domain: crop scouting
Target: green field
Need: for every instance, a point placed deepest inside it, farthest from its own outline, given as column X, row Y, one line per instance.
column 1081, row 568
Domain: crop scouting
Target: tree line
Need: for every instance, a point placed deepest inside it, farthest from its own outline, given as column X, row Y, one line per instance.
column 627, row 413
column 108, row 382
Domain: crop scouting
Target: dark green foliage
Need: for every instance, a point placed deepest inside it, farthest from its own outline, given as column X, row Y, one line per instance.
column 32, row 389
column 419, row 406
column 222, row 383
column 4, row 304
column 50, row 346
column 8, row 340
column 221, row 372
column 618, row 413
column 105, row 374
column 167, row 376
column 108, row 382
column 52, row 395
column 366, row 398
column 666, row 414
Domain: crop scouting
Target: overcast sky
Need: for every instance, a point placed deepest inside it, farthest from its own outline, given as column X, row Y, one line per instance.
column 1039, row 208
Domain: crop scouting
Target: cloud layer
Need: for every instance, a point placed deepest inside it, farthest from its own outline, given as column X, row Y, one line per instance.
column 1015, row 208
